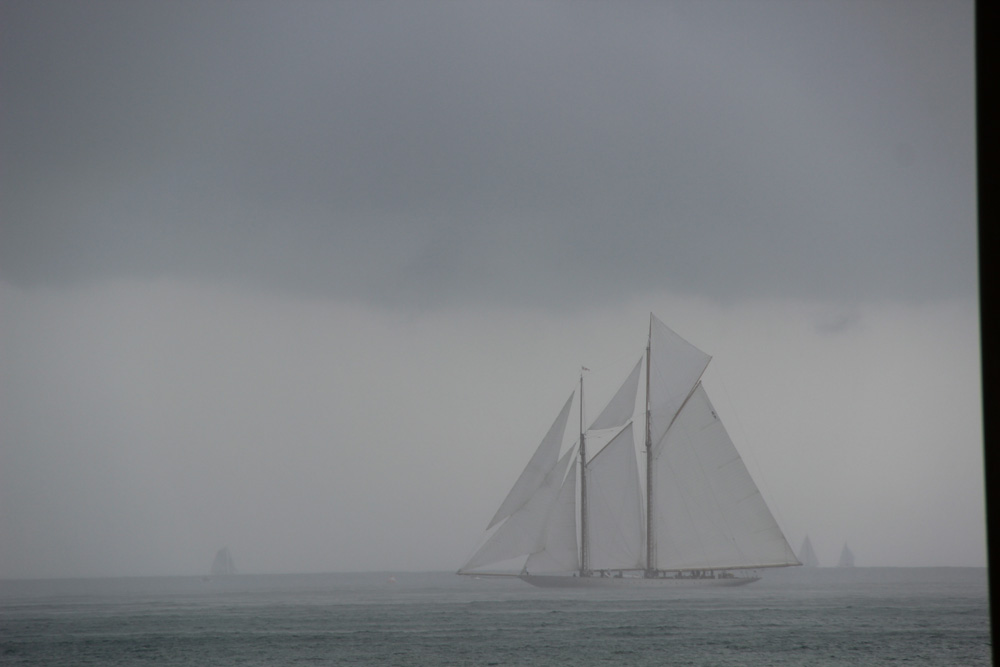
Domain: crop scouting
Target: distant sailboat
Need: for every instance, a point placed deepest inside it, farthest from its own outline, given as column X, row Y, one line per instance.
column 701, row 515
column 807, row 555
column 846, row 557
column 223, row 563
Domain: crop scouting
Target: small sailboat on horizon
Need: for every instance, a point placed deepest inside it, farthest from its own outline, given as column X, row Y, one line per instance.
column 223, row 563
column 846, row 557
column 699, row 518
column 807, row 555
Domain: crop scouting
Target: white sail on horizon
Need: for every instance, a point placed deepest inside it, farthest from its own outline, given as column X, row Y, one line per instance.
column 807, row 554
column 223, row 562
column 846, row 557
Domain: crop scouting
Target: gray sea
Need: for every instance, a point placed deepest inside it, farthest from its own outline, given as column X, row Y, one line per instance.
column 859, row 616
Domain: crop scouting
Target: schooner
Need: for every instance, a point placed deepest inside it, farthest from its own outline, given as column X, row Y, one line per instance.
column 698, row 518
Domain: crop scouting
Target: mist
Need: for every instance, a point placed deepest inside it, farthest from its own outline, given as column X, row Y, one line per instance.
column 312, row 283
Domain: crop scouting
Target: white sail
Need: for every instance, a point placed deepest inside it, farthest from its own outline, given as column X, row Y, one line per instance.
column 614, row 501
column 223, row 562
column 846, row 558
column 622, row 406
column 675, row 366
column 705, row 511
column 538, row 467
column 524, row 531
column 559, row 551
column 709, row 514
column 807, row 555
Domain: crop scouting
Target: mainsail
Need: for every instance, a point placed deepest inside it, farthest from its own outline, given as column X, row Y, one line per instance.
column 709, row 513
column 700, row 509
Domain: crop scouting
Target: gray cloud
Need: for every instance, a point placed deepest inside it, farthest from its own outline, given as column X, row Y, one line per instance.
column 434, row 153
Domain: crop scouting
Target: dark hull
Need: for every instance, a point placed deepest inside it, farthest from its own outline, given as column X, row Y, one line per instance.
column 666, row 583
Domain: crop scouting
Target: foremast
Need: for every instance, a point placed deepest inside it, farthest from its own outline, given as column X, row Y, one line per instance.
column 584, row 534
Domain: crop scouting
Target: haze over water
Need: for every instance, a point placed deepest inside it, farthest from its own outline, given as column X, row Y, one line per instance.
column 310, row 280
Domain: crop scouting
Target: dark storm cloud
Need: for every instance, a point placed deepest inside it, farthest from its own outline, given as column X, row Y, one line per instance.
column 433, row 152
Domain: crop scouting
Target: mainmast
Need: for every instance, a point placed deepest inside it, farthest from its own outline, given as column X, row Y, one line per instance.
column 584, row 539
column 650, row 541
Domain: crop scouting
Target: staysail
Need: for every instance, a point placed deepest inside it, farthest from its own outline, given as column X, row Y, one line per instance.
column 538, row 467
column 524, row 531
column 558, row 551
column 622, row 405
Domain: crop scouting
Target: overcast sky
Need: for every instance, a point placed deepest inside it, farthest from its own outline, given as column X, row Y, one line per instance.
column 311, row 280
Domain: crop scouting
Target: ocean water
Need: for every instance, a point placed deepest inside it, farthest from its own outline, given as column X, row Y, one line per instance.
column 860, row 616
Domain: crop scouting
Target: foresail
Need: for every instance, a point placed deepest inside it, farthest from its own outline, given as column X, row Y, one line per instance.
column 538, row 467
column 524, row 531
column 614, row 501
column 709, row 514
column 622, row 406
column 675, row 366
column 559, row 551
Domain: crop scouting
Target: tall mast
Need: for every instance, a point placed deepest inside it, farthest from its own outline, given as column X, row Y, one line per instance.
column 650, row 538
column 584, row 539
